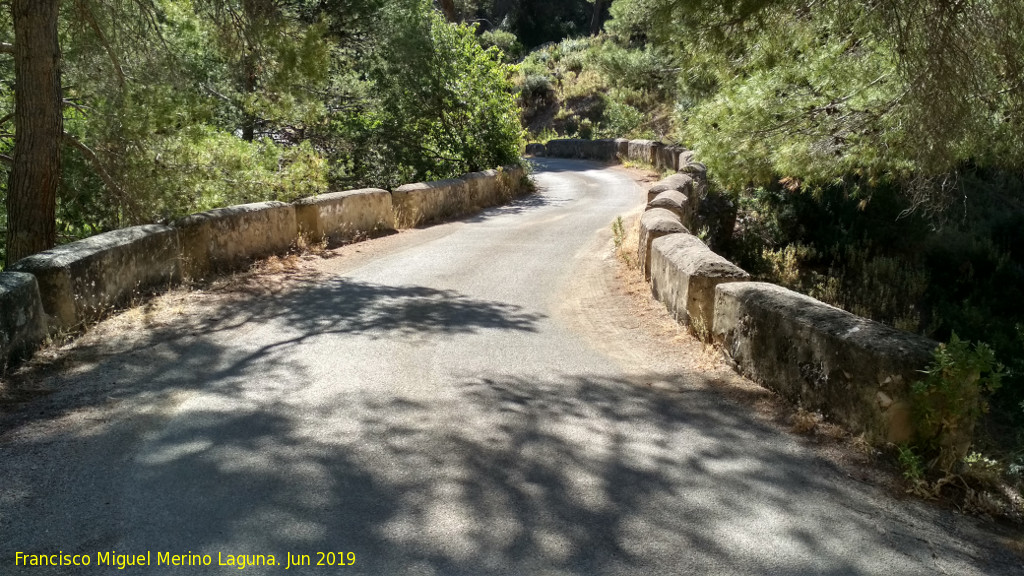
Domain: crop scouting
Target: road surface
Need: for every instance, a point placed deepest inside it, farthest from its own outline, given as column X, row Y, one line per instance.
column 452, row 400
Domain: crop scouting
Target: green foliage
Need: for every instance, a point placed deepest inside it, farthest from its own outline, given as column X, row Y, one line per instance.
column 505, row 41
column 643, row 69
column 178, row 106
column 618, row 232
column 594, row 88
column 620, row 119
column 952, row 396
column 910, row 463
column 444, row 105
column 823, row 91
column 854, row 247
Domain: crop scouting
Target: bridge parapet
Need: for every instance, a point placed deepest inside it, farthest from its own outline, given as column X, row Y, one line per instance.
column 64, row 289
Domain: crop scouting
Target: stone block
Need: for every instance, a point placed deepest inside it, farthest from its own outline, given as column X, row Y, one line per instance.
column 654, row 224
column 343, row 216
column 22, row 321
column 684, row 274
column 81, row 281
column 855, row 371
column 232, row 237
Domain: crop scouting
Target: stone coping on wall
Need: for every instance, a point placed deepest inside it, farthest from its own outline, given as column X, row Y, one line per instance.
column 854, row 370
column 80, row 281
column 71, row 285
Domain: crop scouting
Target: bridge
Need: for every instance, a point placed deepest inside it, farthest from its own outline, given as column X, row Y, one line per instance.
column 474, row 397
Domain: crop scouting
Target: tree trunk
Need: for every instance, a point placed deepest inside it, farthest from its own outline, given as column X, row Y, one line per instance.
column 248, row 88
column 448, row 8
column 595, row 21
column 39, row 126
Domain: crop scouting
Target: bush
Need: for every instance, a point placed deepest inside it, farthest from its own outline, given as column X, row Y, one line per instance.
column 620, row 119
column 444, row 105
column 505, row 41
column 949, row 400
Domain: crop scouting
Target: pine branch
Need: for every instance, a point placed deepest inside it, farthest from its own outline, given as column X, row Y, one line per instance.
column 97, row 165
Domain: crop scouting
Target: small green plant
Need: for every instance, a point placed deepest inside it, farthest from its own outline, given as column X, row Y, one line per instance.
column 910, row 463
column 618, row 232
column 981, row 469
column 951, row 397
column 913, row 467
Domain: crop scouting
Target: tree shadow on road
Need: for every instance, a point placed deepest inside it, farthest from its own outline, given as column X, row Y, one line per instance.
column 542, row 474
column 174, row 354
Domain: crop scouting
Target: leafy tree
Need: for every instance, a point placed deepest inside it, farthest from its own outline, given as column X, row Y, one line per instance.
column 441, row 104
column 166, row 107
column 910, row 91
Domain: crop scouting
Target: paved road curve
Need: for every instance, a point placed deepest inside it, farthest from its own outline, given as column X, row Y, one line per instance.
column 436, row 409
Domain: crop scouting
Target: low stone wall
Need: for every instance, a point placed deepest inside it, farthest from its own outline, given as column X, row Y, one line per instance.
column 22, row 321
column 679, row 182
column 425, row 202
column 229, row 238
column 604, row 150
column 672, row 200
column 342, row 216
column 856, row 371
column 850, row 368
column 644, row 151
column 650, row 152
column 79, row 282
column 684, row 274
column 655, row 223
column 669, row 158
column 481, row 189
column 63, row 288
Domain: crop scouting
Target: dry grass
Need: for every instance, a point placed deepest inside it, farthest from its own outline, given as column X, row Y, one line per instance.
column 628, row 249
column 805, row 421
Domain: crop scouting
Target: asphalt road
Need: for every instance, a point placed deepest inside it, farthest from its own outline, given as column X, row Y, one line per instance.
column 442, row 401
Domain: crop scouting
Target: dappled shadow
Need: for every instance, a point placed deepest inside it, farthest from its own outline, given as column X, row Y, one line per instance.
column 342, row 415
column 339, row 305
column 501, row 474
column 213, row 344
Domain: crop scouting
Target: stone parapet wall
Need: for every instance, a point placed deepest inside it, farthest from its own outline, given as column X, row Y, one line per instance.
column 22, row 320
column 229, row 238
column 343, row 216
column 854, row 370
column 79, row 282
column 63, row 289
column 684, row 274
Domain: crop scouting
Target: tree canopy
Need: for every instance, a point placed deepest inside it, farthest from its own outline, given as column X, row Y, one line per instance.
column 823, row 90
